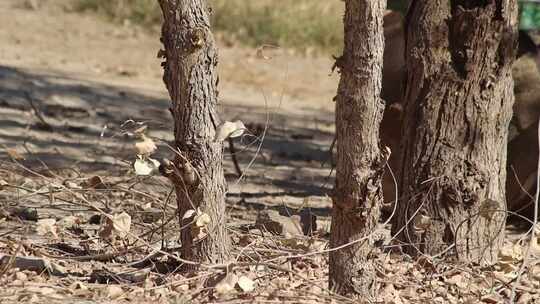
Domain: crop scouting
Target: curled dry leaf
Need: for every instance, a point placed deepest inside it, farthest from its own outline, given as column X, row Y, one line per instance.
column 203, row 220
column 72, row 185
column 69, row 221
column 116, row 225
column 189, row 214
column 146, row 146
column 145, row 166
column 246, row 284
column 47, row 226
column 229, row 129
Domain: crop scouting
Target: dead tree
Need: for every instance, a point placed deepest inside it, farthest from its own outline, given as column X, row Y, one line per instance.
column 190, row 76
column 459, row 97
column 360, row 161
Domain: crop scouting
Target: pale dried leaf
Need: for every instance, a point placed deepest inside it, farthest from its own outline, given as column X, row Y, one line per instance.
column 145, row 166
column 114, row 292
column 146, row 146
column 229, row 129
column 189, row 214
column 246, row 284
column 46, row 226
column 116, row 225
column 69, row 221
column 72, row 185
column 511, row 253
column 203, row 220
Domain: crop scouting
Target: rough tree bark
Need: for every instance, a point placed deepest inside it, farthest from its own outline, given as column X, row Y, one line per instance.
column 190, row 76
column 360, row 161
column 459, row 97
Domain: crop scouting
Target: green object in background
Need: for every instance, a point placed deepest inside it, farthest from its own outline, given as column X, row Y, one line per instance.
column 529, row 18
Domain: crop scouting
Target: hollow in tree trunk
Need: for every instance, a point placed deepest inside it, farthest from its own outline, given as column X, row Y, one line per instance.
column 190, row 76
column 459, row 96
column 360, row 161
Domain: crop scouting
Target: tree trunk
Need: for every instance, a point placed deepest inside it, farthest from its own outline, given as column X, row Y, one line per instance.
column 459, row 97
column 360, row 162
column 191, row 78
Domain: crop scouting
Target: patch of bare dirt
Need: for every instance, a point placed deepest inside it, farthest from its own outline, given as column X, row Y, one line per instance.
column 77, row 225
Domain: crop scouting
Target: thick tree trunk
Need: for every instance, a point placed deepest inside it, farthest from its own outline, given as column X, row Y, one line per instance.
column 459, row 96
column 191, row 79
column 360, row 162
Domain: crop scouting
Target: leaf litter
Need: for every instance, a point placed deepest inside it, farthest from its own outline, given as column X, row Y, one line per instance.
column 121, row 258
column 90, row 238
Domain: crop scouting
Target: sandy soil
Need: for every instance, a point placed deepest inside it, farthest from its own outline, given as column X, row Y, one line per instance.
column 85, row 73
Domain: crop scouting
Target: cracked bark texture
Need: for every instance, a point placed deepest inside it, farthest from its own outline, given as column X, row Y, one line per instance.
column 190, row 76
column 459, row 97
column 360, row 163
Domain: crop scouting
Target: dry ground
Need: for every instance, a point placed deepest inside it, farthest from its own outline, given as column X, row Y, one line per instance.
column 73, row 89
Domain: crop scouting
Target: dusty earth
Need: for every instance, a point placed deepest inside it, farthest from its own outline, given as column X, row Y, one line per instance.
column 74, row 89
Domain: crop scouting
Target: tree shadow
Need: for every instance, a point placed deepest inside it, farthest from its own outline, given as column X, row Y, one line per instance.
column 86, row 119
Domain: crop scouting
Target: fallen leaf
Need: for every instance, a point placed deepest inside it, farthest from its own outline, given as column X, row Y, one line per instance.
column 114, row 292
column 229, row 129
column 116, row 225
column 69, row 221
column 47, row 226
column 3, row 184
column 146, row 146
column 72, row 185
column 189, row 214
column 203, row 220
column 246, row 284
column 145, row 166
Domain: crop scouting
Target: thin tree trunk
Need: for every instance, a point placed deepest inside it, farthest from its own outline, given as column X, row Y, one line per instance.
column 459, row 97
column 360, row 162
column 191, row 78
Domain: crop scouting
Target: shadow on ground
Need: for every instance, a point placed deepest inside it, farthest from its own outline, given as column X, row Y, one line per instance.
column 52, row 120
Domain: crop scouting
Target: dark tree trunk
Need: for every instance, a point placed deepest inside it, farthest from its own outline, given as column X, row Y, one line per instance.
column 360, row 162
column 191, row 79
column 459, row 96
